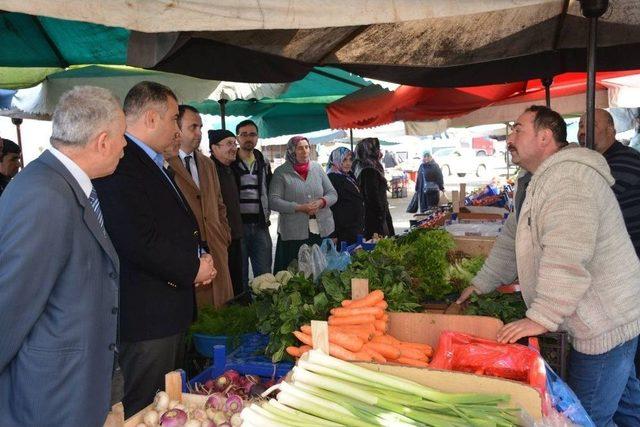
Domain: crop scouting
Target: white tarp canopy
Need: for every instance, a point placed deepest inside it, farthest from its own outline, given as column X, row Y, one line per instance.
column 40, row 101
column 228, row 15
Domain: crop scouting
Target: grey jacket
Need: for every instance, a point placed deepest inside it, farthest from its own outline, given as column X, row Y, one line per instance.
column 58, row 302
column 288, row 189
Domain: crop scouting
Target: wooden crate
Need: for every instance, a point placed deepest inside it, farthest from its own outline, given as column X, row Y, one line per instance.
column 173, row 387
column 474, row 245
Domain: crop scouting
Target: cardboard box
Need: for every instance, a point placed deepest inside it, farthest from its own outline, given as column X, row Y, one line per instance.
column 474, row 245
column 426, row 328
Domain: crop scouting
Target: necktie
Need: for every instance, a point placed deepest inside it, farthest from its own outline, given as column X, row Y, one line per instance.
column 95, row 204
column 187, row 161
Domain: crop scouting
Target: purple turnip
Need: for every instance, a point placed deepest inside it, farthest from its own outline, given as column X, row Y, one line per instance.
column 173, row 418
column 215, row 402
column 219, row 418
column 207, row 423
column 233, row 404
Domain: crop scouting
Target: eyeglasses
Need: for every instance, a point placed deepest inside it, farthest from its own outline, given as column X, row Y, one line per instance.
column 229, row 144
column 248, row 134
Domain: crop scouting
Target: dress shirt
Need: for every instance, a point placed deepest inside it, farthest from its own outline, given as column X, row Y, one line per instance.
column 193, row 168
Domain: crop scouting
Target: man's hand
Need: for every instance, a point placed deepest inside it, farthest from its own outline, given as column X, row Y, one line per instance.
column 206, row 272
column 466, row 294
column 513, row 331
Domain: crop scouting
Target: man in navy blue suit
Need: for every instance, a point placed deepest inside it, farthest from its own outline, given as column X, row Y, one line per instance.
column 157, row 239
column 59, row 272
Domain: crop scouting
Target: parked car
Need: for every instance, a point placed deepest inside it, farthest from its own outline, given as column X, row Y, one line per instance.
column 460, row 162
column 483, row 146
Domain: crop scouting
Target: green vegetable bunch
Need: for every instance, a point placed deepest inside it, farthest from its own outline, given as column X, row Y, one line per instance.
column 284, row 310
column 506, row 307
column 463, row 271
column 231, row 321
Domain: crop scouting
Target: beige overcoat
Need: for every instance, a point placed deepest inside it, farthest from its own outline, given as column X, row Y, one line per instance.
column 211, row 214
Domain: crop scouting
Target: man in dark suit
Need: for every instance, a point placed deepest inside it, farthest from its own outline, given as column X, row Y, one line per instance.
column 157, row 239
column 59, row 272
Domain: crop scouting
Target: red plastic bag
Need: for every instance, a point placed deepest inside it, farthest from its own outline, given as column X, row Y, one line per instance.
column 466, row 353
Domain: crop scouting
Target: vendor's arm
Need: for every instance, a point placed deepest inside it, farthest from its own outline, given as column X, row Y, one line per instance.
column 500, row 266
column 567, row 227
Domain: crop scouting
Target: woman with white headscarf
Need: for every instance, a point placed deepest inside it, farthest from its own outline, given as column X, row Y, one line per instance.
column 302, row 194
column 348, row 212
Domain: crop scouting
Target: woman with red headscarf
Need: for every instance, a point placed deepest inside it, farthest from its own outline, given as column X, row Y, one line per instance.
column 302, row 194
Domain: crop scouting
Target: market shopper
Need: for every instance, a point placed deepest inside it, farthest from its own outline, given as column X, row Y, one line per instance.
column 253, row 176
column 223, row 146
column 576, row 265
column 625, row 167
column 197, row 178
column 373, row 186
column 303, row 195
column 59, row 272
column 429, row 182
column 348, row 212
column 157, row 239
column 9, row 162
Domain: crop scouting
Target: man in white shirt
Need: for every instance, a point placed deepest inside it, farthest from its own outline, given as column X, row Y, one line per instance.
column 59, row 297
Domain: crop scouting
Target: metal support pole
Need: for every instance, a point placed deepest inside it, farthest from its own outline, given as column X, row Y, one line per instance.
column 351, row 138
column 592, row 9
column 506, row 152
column 546, row 82
column 17, row 122
column 223, row 105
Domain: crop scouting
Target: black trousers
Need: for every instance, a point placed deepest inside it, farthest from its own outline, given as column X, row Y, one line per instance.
column 144, row 365
column 235, row 266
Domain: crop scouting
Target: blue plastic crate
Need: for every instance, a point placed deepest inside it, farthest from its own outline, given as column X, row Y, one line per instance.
column 204, row 343
column 248, row 359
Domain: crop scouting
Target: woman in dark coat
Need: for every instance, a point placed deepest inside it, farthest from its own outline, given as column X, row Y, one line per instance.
column 348, row 212
column 429, row 183
column 373, row 187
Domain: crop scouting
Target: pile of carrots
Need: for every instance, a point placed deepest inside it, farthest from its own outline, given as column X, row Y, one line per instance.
column 358, row 332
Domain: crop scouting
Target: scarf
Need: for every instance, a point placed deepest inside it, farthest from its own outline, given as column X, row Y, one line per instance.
column 368, row 156
column 302, row 169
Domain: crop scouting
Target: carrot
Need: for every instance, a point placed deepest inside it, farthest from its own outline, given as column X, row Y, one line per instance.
column 384, row 317
column 348, row 341
column 294, row 351
column 368, row 301
column 425, row 348
column 304, row 338
column 380, row 325
column 341, row 352
column 378, row 333
column 385, row 339
column 382, row 304
column 305, row 348
column 346, row 303
column 363, row 356
column 345, row 312
column 351, row 320
column 387, row 351
column 412, row 353
column 365, row 334
column 412, row 362
column 377, row 357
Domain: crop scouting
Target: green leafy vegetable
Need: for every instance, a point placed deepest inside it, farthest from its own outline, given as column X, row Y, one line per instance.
column 463, row 271
column 506, row 307
column 231, row 321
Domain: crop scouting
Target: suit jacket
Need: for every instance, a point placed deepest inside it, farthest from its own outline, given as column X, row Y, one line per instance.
column 58, row 302
column 210, row 212
column 156, row 236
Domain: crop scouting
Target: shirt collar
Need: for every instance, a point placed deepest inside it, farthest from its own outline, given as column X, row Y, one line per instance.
column 80, row 176
column 182, row 155
column 157, row 158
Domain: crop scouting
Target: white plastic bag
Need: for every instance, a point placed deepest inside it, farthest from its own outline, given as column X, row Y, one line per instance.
column 311, row 261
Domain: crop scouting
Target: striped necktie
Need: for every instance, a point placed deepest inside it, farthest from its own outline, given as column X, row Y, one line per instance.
column 95, row 204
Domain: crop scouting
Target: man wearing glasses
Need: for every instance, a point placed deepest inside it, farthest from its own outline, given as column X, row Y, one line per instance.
column 253, row 175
